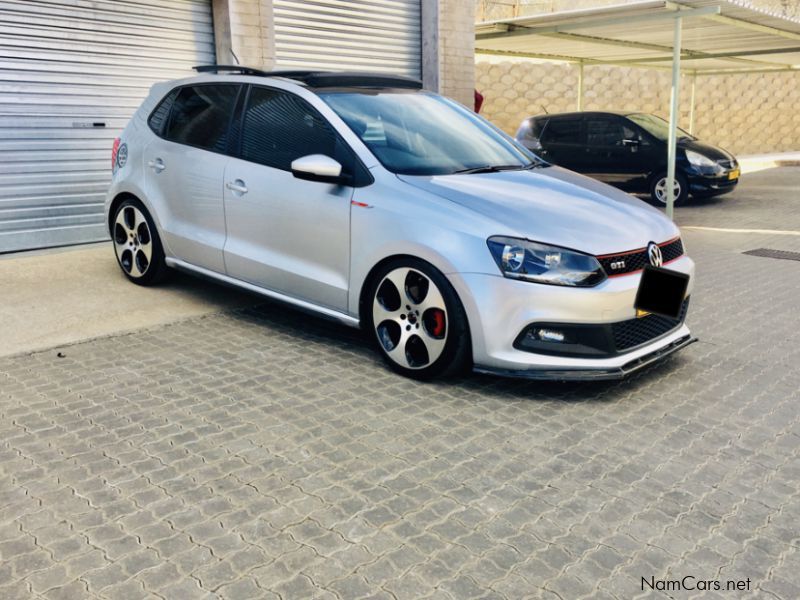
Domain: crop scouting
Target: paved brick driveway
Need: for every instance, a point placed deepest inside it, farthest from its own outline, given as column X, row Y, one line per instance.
column 265, row 454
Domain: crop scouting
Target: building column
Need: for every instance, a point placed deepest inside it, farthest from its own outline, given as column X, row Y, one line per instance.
column 244, row 33
column 448, row 48
column 430, row 45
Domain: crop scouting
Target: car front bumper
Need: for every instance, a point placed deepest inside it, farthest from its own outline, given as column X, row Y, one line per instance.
column 711, row 186
column 499, row 309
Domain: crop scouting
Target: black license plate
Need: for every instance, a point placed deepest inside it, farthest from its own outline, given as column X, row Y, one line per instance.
column 661, row 291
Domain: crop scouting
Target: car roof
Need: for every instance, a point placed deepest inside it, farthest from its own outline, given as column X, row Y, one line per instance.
column 615, row 113
column 317, row 80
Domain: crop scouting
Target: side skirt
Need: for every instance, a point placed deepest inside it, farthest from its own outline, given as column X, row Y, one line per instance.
column 237, row 283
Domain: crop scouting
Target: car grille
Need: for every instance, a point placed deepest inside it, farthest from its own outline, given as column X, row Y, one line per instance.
column 727, row 164
column 630, row 262
column 635, row 332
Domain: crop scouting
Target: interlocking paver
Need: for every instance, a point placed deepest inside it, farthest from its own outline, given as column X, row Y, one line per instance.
column 262, row 452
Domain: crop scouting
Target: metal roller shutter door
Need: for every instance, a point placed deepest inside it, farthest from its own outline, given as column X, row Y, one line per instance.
column 72, row 72
column 356, row 35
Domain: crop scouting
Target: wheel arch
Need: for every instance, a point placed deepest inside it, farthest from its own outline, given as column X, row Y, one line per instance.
column 663, row 170
column 367, row 282
column 115, row 202
column 463, row 357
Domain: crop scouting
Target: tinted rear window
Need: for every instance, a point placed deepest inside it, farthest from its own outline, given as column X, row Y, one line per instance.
column 201, row 114
column 158, row 118
column 563, row 131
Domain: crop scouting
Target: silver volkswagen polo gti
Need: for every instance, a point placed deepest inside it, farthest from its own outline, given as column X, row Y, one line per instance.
column 364, row 198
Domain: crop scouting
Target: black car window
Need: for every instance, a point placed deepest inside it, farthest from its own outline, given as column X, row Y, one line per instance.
column 604, row 131
column 280, row 127
column 563, row 131
column 201, row 115
column 158, row 118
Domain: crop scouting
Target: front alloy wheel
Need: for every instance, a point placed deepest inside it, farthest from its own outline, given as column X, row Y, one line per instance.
column 418, row 321
column 658, row 190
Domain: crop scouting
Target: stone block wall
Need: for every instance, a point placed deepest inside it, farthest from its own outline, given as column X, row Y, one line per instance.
column 746, row 114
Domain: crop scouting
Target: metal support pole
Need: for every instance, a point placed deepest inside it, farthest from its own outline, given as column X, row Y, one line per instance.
column 580, row 86
column 673, row 117
column 691, row 103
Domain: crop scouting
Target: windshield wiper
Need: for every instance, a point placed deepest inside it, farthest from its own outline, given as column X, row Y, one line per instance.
column 494, row 169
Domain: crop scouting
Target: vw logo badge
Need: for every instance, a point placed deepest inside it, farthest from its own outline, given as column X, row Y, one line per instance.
column 654, row 254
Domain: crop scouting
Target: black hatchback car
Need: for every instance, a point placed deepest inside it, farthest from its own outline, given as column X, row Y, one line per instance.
column 629, row 151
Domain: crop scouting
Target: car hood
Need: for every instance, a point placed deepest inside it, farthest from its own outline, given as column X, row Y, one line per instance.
column 707, row 150
column 555, row 206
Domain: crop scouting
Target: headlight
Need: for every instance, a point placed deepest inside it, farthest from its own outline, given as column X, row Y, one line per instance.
column 532, row 261
column 698, row 160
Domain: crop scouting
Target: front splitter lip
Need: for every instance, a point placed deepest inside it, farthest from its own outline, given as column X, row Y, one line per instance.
column 580, row 374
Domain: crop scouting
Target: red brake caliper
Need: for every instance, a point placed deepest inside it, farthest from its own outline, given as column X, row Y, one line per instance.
column 438, row 322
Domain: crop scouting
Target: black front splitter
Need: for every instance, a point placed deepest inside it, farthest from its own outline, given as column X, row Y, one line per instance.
column 593, row 374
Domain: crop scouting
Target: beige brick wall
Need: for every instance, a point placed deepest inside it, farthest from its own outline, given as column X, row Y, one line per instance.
column 744, row 113
column 457, row 50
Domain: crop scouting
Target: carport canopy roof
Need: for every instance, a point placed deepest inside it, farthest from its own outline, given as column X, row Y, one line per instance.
column 722, row 36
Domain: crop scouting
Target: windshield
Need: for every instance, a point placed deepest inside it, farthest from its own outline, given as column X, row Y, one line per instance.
column 657, row 127
column 425, row 134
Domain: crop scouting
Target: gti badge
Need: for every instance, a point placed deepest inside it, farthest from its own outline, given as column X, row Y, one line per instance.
column 619, row 264
column 654, row 254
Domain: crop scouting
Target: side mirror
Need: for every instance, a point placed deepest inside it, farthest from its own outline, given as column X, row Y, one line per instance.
column 318, row 167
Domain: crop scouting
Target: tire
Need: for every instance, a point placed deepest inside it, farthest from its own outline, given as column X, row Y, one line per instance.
column 414, row 316
column 658, row 189
column 137, row 245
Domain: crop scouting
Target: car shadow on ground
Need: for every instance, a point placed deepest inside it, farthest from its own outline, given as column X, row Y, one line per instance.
column 694, row 202
column 290, row 321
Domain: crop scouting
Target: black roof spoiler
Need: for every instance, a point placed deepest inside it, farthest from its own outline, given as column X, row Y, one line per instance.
column 322, row 79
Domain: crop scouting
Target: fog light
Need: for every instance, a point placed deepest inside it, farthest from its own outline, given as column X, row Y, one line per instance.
column 550, row 335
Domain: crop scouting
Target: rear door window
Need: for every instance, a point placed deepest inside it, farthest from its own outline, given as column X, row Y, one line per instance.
column 604, row 131
column 563, row 131
column 201, row 116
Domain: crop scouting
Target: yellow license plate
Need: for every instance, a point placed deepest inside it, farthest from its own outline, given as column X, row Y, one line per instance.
column 734, row 174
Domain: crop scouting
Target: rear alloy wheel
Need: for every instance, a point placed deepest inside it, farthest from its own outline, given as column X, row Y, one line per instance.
column 658, row 189
column 418, row 321
column 137, row 246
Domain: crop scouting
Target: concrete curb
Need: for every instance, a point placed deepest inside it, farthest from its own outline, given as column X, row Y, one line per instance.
column 750, row 164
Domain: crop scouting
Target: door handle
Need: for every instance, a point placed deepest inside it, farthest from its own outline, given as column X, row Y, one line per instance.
column 237, row 187
column 157, row 165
